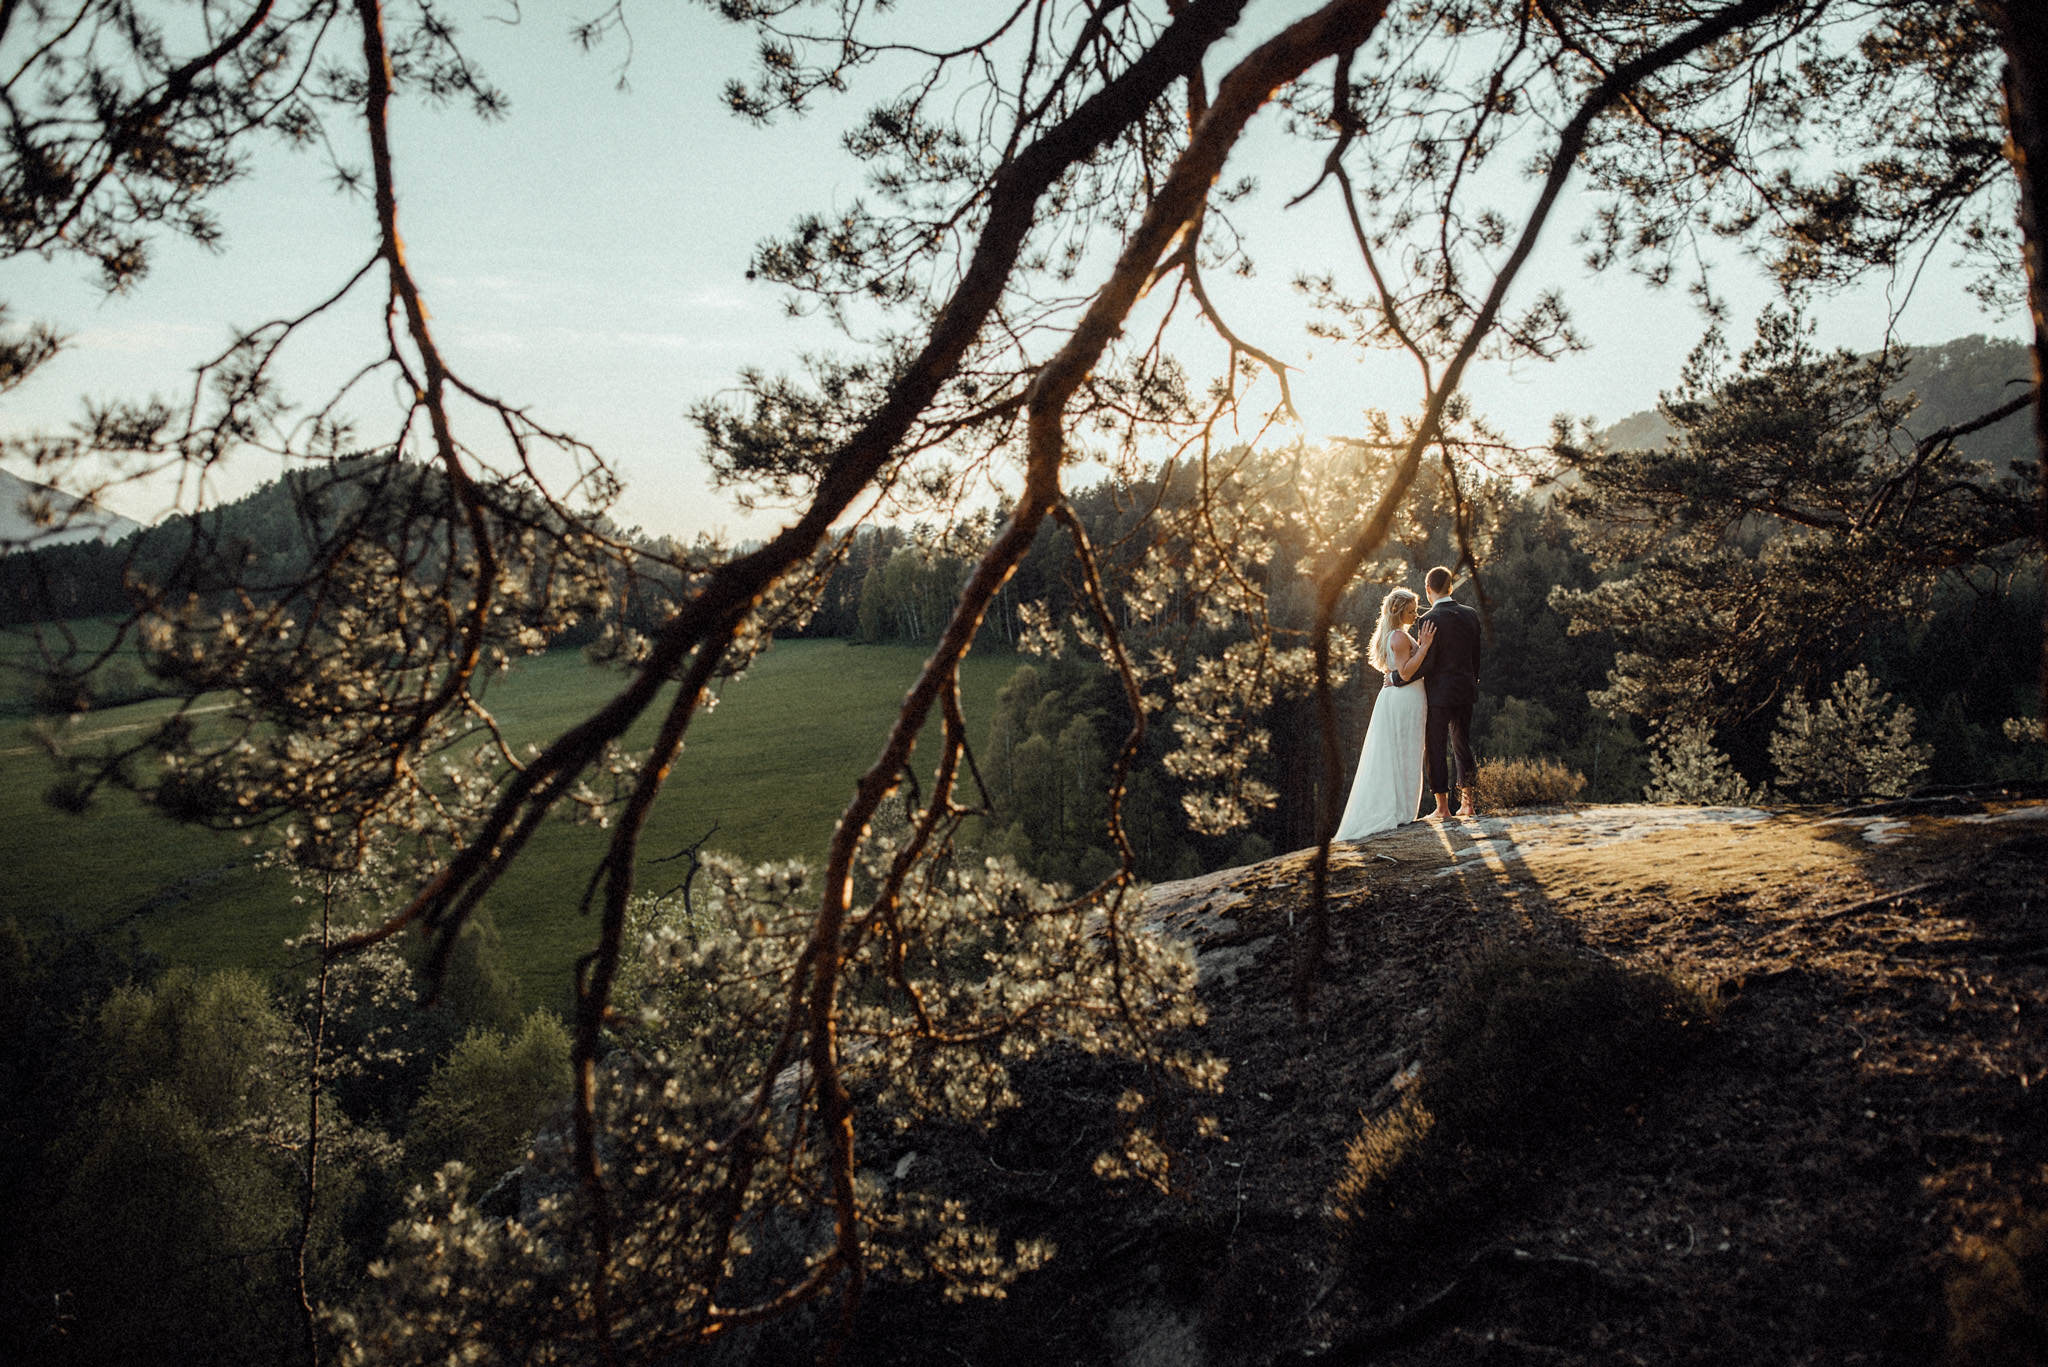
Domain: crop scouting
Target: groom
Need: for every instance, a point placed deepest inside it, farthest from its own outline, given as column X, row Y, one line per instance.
column 1452, row 672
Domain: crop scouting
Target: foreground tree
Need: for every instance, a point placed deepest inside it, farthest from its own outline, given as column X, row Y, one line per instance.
column 1047, row 195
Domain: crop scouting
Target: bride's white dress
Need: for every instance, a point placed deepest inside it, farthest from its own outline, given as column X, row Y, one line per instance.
column 1387, row 790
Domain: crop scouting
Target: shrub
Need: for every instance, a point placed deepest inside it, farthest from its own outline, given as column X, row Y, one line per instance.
column 1408, row 1192
column 1687, row 769
column 478, row 991
column 1532, row 1048
column 1849, row 746
column 1505, row 784
column 1998, row 1302
column 166, row 1235
column 486, row 1101
column 2027, row 756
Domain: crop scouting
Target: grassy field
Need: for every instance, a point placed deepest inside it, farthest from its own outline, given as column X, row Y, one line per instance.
column 771, row 767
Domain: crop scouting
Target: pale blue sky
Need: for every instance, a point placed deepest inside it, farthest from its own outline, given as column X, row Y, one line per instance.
column 586, row 258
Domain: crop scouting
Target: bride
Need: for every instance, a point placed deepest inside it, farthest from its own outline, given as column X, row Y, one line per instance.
column 1387, row 790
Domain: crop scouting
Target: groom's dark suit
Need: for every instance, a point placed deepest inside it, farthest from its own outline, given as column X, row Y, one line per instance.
column 1450, row 674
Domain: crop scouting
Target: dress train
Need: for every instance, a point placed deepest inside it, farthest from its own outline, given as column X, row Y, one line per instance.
column 1387, row 790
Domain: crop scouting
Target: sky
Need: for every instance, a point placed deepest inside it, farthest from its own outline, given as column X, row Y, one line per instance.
column 586, row 258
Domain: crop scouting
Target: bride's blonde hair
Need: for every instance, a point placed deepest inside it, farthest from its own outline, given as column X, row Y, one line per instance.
column 1395, row 609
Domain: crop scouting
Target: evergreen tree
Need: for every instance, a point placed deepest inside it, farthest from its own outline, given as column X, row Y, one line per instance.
column 170, row 1238
column 1787, row 522
column 488, row 1097
column 1849, row 746
column 1686, row 768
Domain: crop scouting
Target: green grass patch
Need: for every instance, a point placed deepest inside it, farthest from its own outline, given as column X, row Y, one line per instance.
column 771, row 767
column 26, row 651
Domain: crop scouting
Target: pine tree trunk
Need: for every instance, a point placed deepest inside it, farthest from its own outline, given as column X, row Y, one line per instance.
column 2023, row 33
column 309, row 1194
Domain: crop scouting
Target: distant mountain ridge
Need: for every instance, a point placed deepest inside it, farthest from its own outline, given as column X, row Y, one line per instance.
column 1955, row 380
column 64, row 519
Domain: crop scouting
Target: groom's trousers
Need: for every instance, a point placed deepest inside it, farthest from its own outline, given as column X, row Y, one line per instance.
column 1452, row 724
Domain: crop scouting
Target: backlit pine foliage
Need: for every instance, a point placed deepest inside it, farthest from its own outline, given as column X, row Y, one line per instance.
column 720, row 1174
column 1686, row 768
column 1792, row 515
column 1850, row 745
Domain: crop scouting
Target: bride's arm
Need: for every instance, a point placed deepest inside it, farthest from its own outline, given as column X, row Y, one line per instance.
column 1399, row 649
column 1411, row 660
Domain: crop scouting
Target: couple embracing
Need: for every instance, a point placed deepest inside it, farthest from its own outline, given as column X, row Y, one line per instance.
column 1411, row 728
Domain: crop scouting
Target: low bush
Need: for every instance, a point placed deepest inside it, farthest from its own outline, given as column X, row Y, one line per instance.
column 1998, row 1301
column 1408, row 1192
column 1507, row 783
column 1854, row 744
column 488, row 1098
column 1532, row 1048
column 1687, row 770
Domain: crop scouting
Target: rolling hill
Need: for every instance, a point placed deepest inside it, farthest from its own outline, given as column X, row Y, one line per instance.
column 30, row 514
column 1954, row 381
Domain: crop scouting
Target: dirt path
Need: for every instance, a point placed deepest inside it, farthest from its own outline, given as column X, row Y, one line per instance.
column 101, row 732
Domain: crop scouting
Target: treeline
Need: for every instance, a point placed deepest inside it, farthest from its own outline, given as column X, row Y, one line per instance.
column 892, row 583
column 1950, row 383
column 270, row 545
column 265, row 542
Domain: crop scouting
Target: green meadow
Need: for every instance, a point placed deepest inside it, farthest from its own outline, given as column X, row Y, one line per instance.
column 770, row 767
